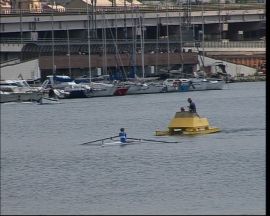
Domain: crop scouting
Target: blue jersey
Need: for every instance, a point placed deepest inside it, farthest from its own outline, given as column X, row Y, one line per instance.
column 123, row 136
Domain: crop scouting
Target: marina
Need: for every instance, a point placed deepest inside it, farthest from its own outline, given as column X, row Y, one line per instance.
column 68, row 88
column 133, row 107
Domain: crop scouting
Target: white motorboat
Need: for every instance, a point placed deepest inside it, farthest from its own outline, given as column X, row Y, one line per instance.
column 215, row 84
column 18, row 91
column 8, row 97
column 200, row 84
column 65, row 87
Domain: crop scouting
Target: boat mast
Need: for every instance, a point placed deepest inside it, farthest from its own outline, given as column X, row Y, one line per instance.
column 119, row 62
column 203, row 36
column 157, row 40
column 167, row 32
column 201, row 55
column 181, row 44
column 21, row 31
column 88, row 40
column 219, row 21
column 52, row 24
column 134, row 36
column 69, row 67
column 142, row 45
column 104, row 41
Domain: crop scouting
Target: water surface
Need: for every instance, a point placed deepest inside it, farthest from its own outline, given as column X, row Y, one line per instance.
column 45, row 170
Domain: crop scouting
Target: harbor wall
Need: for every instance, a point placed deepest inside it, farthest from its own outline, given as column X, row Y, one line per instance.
column 231, row 68
column 28, row 70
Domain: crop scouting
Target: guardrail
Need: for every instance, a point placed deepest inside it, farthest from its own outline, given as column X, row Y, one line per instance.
column 234, row 44
column 129, row 9
column 207, row 44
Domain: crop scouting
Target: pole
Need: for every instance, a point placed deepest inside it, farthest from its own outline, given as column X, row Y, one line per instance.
column 167, row 32
column 219, row 21
column 157, row 39
column 134, row 37
column 52, row 24
column 142, row 46
column 21, row 32
column 125, row 19
column 203, row 35
column 104, row 42
column 181, row 45
column 88, row 40
column 69, row 66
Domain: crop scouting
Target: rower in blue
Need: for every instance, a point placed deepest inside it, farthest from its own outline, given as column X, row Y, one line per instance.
column 123, row 135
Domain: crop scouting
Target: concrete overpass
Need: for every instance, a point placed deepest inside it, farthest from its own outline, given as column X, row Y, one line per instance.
column 223, row 23
column 39, row 35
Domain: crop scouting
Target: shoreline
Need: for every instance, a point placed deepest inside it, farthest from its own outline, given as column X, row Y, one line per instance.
column 249, row 79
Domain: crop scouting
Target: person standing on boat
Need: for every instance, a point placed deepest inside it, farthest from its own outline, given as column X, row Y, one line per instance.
column 192, row 106
column 123, row 135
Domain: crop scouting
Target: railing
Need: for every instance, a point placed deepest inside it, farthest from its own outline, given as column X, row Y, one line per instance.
column 130, row 9
column 234, row 44
column 207, row 44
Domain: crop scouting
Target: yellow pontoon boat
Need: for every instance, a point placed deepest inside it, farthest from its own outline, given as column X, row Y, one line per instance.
column 188, row 123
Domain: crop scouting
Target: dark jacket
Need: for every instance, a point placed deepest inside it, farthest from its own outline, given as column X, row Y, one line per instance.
column 192, row 107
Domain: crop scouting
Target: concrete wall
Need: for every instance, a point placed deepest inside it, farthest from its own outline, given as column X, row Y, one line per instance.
column 232, row 69
column 26, row 70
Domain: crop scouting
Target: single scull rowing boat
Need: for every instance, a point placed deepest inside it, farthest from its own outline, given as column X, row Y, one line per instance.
column 118, row 143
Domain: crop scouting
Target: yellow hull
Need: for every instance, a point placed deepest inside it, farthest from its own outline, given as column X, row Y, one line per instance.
column 187, row 132
column 186, row 123
column 207, row 131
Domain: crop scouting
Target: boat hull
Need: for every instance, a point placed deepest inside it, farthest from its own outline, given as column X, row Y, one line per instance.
column 82, row 93
column 118, row 143
column 187, row 123
column 188, row 132
column 20, row 96
column 103, row 91
column 215, row 84
column 201, row 85
column 146, row 89
column 8, row 97
column 120, row 91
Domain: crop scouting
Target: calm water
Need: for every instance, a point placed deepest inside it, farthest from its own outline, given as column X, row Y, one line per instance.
column 45, row 170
